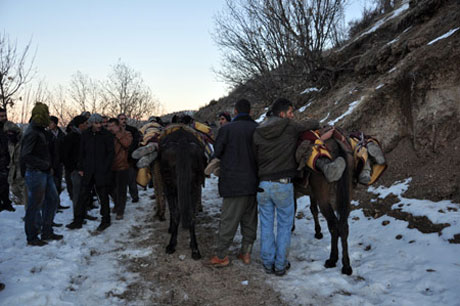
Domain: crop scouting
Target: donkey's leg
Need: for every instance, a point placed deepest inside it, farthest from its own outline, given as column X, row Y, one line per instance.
column 314, row 212
column 343, row 232
column 332, row 225
column 173, row 226
column 193, row 243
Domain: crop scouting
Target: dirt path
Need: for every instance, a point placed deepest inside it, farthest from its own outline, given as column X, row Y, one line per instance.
column 179, row 280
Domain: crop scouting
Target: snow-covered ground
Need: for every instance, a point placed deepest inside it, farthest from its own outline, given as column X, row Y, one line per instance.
column 393, row 265
column 82, row 269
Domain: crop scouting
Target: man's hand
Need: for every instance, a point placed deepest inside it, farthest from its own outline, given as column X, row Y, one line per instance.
column 80, row 173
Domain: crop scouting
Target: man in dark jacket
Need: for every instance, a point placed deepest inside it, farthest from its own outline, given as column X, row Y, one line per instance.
column 94, row 165
column 41, row 192
column 237, row 184
column 5, row 202
column 132, row 171
column 70, row 156
column 57, row 138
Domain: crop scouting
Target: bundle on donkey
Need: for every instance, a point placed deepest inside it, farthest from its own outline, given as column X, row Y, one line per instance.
column 182, row 163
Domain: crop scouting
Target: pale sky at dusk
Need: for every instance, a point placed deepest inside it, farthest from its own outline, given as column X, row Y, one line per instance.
column 168, row 42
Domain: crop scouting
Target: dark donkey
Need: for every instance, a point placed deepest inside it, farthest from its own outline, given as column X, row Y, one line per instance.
column 332, row 198
column 182, row 163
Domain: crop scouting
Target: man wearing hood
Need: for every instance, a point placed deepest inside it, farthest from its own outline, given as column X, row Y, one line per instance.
column 41, row 190
column 94, row 166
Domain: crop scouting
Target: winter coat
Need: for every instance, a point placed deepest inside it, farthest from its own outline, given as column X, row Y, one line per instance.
column 4, row 155
column 14, row 149
column 275, row 143
column 70, row 149
column 56, row 147
column 134, row 144
column 96, row 156
column 122, row 142
column 35, row 154
column 233, row 146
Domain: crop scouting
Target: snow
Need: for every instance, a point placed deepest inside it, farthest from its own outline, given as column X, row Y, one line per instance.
column 325, row 118
column 263, row 116
column 379, row 86
column 81, row 269
column 350, row 109
column 452, row 31
column 417, row 269
column 392, row 69
column 393, row 41
column 437, row 212
column 303, row 108
column 308, row 90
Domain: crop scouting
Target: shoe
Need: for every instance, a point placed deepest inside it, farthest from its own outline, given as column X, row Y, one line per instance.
column 376, row 152
column 332, row 170
column 89, row 217
column 119, row 217
column 8, row 207
column 56, row 224
column 135, row 200
column 37, row 242
column 269, row 270
column 219, row 263
column 63, row 207
column 245, row 258
column 74, row 225
column 153, row 197
column 92, row 206
column 114, row 210
column 102, row 226
column 52, row 237
column 283, row 271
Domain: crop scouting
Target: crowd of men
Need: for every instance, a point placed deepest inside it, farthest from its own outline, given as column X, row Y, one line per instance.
column 93, row 156
column 256, row 165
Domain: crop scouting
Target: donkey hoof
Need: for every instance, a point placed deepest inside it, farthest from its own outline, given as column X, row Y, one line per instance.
column 347, row 270
column 319, row 236
column 329, row 264
column 170, row 249
column 196, row 255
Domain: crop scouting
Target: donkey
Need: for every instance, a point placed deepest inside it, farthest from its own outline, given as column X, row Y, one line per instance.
column 182, row 163
column 332, row 199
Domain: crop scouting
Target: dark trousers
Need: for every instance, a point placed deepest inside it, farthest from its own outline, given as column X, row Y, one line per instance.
column 237, row 211
column 132, row 184
column 80, row 210
column 69, row 183
column 119, row 190
column 41, row 204
column 4, row 188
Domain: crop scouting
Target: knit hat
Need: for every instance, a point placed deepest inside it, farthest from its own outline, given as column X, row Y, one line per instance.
column 95, row 118
column 40, row 115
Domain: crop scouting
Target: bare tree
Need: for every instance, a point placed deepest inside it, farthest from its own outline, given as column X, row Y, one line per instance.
column 126, row 92
column 15, row 70
column 86, row 93
column 269, row 41
column 60, row 107
column 28, row 96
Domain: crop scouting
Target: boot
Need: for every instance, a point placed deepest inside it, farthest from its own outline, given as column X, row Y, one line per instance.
column 219, row 263
column 365, row 175
column 245, row 253
column 374, row 150
column 332, row 170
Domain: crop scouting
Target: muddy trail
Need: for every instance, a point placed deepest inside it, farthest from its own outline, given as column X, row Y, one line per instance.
column 177, row 279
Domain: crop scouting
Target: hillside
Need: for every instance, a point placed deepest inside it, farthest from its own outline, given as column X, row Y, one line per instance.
column 398, row 80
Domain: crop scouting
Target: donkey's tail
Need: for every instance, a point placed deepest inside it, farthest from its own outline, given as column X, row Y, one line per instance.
column 184, row 182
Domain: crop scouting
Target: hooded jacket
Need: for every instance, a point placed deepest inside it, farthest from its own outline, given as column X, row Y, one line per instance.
column 233, row 146
column 275, row 143
column 35, row 154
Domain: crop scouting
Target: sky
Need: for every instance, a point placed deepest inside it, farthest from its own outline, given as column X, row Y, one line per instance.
column 168, row 42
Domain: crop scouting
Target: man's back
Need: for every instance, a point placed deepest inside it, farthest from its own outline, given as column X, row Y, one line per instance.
column 238, row 171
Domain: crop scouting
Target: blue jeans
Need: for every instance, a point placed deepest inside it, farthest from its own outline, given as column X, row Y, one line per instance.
column 280, row 198
column 42, row 204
